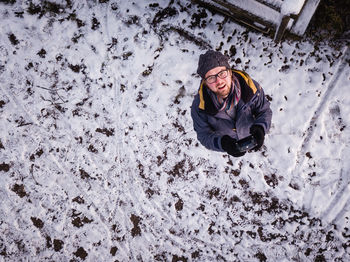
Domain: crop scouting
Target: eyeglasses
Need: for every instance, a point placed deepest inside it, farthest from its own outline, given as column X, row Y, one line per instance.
column 212, row 79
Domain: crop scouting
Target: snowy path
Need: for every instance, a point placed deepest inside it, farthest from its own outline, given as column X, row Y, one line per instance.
column 306, row 144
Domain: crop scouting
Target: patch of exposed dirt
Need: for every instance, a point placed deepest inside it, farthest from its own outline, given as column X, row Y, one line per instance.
column 136, row 230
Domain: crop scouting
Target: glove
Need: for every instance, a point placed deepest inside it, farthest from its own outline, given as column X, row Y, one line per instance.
column 259, row 134
column 229, row 145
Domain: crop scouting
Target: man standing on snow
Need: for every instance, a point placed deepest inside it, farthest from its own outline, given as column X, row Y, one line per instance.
column 229, row 106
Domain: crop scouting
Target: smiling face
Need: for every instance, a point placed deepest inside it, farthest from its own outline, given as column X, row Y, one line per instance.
column 221, row 86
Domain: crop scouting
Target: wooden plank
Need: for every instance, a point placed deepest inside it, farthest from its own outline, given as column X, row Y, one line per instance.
column 303, row 20
column 255, row 8
column 281, row 28
column 238, row 14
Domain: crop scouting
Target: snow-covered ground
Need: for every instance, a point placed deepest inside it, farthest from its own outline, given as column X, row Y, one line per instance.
column 99, row 160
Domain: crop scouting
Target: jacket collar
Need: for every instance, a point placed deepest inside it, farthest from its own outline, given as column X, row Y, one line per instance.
column 248, row 89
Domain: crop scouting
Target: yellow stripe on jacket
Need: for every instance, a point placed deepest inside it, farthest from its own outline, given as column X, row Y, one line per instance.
column 201, row 97
column 247, row 79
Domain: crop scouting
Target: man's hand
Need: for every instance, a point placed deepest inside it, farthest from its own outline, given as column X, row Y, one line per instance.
column 259, row 134
column 229, row 145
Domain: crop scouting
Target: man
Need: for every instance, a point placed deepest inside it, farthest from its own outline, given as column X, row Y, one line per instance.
column 229, row 106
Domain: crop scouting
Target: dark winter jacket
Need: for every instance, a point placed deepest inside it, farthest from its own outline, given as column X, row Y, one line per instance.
column 210, row 125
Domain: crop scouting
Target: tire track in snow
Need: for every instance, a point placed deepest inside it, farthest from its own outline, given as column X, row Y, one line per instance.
column 320, row 108
column 344, row 191
column 343, row 210
column 341, row 201
column 301, row 159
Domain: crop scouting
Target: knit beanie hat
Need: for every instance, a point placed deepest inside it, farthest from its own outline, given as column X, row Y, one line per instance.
column 210, row 60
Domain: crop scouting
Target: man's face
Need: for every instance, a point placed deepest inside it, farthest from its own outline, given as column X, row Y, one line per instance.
column 221, row 86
